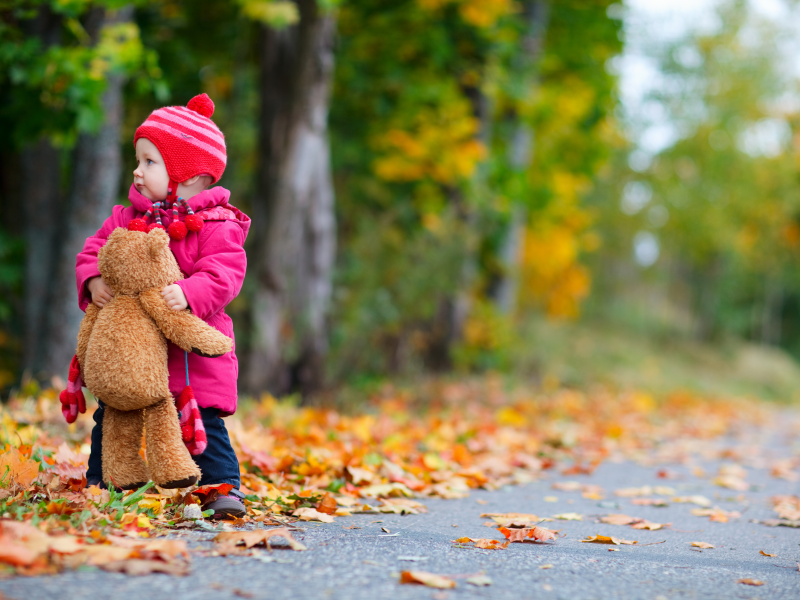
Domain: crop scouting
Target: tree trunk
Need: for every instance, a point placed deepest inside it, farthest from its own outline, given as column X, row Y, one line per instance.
column 40, row 196
column 96, row 169
column 293, row 217
column 41, row 204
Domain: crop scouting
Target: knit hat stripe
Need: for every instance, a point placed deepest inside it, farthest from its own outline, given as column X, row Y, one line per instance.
column 189, row 141
column 185, row 113
column 142, row 132
column 212, row 133
column 188, row 130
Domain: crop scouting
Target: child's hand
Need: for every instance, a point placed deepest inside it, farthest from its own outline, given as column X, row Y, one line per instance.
column 174, row 297
column 100, row 292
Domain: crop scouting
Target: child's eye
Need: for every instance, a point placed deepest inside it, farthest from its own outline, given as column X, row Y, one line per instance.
column 150, row 161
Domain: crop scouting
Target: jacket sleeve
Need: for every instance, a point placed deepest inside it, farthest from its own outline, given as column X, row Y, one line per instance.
column 219, row 271
column 86, row 262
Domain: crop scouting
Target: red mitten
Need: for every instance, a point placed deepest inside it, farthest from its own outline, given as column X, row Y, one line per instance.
column 192, row 430
column 72, row 400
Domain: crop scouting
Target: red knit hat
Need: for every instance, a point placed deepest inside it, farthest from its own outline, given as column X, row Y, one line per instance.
column 188, row 139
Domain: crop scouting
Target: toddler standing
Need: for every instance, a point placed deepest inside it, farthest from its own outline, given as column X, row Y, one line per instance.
column 180, row 152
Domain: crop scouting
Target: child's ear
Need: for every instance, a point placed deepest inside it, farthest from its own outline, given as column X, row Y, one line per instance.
column 157, row 242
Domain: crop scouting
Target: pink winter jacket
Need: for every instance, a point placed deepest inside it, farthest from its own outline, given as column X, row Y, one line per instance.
column 213, row 263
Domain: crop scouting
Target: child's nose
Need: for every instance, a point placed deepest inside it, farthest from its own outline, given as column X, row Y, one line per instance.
column 137, row 172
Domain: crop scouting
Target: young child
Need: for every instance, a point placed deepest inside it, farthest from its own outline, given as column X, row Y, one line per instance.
column 180, row 152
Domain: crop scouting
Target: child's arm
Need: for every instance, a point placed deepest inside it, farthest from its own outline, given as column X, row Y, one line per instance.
column 184, row 329
column 219, row 271
column 86, row 262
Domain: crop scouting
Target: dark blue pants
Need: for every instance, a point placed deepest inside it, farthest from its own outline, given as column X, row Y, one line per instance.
column 218, row 464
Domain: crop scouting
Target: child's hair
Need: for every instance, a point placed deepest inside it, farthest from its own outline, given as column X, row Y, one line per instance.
column 189, row 141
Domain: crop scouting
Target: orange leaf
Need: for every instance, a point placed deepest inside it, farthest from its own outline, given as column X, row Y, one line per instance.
column 327, row 505
column 14, row 467
column 537, row 534
column 483, row 543
column 489, row 544
column 762, row 553
column 425, row 578
column 750, row 581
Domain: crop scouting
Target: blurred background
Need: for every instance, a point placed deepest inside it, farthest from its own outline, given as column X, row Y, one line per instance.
column 569, row 192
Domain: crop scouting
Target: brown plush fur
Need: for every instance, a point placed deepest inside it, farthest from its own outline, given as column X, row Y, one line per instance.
column 122, row 350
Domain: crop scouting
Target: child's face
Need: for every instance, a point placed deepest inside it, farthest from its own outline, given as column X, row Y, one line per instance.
column 150, row 176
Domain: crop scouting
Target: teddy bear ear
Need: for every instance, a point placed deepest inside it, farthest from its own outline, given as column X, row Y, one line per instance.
column 157, row 242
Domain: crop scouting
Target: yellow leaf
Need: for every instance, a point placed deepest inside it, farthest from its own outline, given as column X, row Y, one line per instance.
column 603, row 539
column 569, row 517
column 150, row 504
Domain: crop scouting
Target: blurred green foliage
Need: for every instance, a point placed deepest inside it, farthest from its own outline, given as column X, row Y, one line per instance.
column 461, row 129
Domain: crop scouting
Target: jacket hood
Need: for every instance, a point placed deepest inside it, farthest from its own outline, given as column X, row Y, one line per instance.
column 212, row 204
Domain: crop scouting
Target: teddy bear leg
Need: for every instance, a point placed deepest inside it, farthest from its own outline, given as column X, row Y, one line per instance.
column 123, row 466
column 171, row 465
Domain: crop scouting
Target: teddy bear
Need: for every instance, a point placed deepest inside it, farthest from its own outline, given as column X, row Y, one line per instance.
column 122, row 355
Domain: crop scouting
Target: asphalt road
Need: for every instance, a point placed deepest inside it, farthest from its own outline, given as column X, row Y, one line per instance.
column 361, row 564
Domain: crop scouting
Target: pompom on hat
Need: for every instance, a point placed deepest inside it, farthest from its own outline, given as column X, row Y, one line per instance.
column 189, row 141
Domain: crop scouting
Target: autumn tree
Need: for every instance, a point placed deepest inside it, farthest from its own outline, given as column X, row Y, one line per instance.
column 63, row 69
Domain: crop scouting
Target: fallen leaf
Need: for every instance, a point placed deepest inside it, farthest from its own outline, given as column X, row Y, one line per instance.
column 425, row 578
column 703, row 545
column 20, row 543
column 536, row 534
column 762, row 553
column 699, row 500
column 545, row 566
column 327, row 505
column 569, row 517
column 630, row 492
column 310, row 514
column 514, row 519
column 137, row 566
column 567, row 486
column 750, row 581
column 716, row 514
column 550, row 499
column 617, row 519
column 603, row 539
column 489, row 544
column 359, row 475
column 20, row 470
column 649, row 525
column 479, row 580
column 731, row 482
column 650, row 501
column 255, row 537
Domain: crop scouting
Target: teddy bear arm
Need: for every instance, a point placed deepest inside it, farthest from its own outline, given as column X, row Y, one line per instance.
column 85, row 332
column 183, row 329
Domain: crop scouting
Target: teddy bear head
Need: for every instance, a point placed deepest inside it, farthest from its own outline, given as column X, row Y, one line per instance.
column 134, row 261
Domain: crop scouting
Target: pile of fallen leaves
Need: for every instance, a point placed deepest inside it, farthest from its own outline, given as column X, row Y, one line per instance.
column 316, row 464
